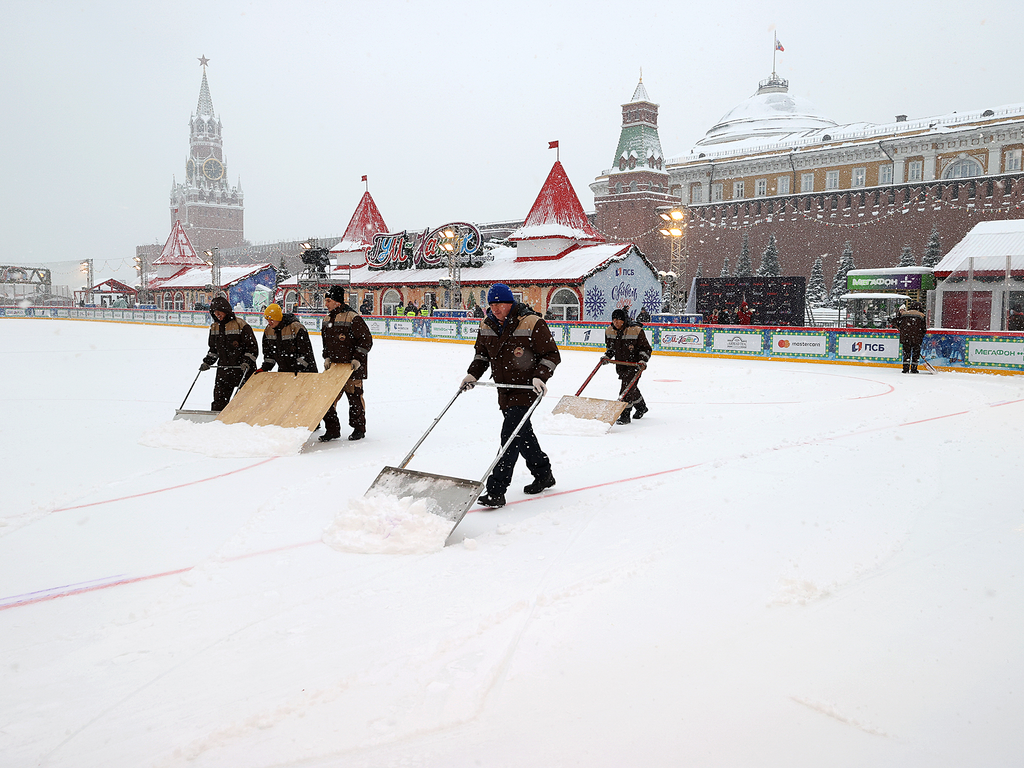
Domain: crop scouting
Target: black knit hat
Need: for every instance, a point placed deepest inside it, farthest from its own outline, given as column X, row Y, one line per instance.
column 336, row 293
column 620, row 314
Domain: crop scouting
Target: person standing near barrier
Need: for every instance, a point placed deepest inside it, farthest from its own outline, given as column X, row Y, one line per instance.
column 911, row 323
column 233, row 349
column 517, row 345
column 626, row 342
column 286, row 343
column 346, row 339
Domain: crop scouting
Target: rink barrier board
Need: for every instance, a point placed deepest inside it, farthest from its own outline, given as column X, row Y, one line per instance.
column 954, row 350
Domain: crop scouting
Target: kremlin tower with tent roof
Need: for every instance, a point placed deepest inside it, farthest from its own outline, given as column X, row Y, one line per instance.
column 556, row 262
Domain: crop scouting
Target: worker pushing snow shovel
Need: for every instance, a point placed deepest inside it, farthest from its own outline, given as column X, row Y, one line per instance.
column 626, row 345
column 517, row 345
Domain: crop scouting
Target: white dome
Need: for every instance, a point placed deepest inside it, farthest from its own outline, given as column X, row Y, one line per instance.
column 772, row 111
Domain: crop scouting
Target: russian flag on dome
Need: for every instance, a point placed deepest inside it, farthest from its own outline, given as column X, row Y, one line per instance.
column 778, row 45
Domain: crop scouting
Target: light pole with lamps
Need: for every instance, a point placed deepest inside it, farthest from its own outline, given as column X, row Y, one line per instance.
column 214, row 262
column 675, row 230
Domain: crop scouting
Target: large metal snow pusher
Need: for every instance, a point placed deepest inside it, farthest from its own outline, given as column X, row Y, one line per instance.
column 449, row 497
column 280, row 399
column 593, row 408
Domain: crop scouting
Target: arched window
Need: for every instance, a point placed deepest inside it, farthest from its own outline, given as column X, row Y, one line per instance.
column 963, row 168
column 289, row 301
column 618, row 188
column 179, row 300
column 391, row 301
column 565, row 304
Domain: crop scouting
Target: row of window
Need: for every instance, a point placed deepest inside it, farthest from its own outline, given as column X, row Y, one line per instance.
column 963, row 168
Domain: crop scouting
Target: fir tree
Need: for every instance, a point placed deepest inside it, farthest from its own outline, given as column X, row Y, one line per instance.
column 839, row 281
column 932, row 251
column 282, row 273
column 907, row 258
column 725, row 268
column 770, row 266
column 698, row 274
column 744, row 267
column 817, row 292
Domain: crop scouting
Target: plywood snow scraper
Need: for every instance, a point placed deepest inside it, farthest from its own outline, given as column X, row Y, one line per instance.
column 591, row 407
column 287, row 399
column 448, row 497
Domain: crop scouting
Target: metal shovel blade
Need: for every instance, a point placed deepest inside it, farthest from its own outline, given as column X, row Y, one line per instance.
column 591, row 408
column 199, row 417
column 448, row 497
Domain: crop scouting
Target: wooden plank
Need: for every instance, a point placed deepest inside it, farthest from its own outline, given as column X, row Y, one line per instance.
column 590, row 408
column 286, row 399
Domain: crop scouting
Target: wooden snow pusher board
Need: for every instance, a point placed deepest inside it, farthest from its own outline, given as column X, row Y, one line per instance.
column 447, row 497
column 286, row 399
column 591, row 407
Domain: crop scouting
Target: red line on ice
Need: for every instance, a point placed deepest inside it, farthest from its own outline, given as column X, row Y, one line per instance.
column 169, row 488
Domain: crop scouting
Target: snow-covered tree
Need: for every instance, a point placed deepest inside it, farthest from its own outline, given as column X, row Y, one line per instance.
column 282, row 273
column 817, row 292
column 744, row 267
column 933, row 250
column 839, row 281
column 907, row 258
column 770, row 266
column 698, row 274
column 725, row 268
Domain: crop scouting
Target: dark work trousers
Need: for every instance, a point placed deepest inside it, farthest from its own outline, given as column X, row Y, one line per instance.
column 911, row 354
column 525, row 443
column 626, row 376
column 356, row 410
column 227, row 380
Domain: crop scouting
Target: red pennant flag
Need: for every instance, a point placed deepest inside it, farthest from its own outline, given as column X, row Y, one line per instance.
column 363, row 179
column 552, row 145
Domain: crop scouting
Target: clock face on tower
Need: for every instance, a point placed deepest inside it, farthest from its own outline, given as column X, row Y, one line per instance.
column 213, row 169
column 190, row 169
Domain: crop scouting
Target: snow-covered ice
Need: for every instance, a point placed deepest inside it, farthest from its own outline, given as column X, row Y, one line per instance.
column 782, row 564
column 226, row 440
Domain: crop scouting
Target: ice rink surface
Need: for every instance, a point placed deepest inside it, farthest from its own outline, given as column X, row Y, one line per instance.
column 782, row 564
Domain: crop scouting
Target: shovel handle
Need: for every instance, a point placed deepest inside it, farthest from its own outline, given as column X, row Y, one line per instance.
column 189, row 390
column 592, row 374
column 503, row 386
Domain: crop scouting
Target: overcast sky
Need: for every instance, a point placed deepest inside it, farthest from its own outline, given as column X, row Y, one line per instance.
column 447, row 106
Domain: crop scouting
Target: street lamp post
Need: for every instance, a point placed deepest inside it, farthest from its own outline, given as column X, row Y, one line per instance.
column 214, row 262
column 674, row 229
column 451, row 247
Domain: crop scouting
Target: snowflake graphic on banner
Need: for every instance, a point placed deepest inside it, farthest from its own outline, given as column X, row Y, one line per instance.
column 652, row 300
column 594, row 302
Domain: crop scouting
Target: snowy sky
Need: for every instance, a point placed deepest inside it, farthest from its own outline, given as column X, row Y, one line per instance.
column 447, row 106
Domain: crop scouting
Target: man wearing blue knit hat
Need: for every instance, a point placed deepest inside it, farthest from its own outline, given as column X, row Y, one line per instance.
column 516, row 344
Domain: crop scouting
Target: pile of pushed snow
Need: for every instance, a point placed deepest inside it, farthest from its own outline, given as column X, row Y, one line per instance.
column 228, row 441
column 384, row 524
column 567, row 424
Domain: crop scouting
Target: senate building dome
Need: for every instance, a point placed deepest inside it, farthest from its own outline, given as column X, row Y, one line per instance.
column 770, row 113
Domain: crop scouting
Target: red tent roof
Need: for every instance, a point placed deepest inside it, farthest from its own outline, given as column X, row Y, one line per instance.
column 178, row 250
column 557, row 212
column 365, row 223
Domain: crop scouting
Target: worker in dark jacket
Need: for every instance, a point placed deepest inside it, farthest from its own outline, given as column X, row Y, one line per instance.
column 233, row 348
column 911, row 323
column 346, row 339
column 516, row 344
column 286, row 343
column 626, row 342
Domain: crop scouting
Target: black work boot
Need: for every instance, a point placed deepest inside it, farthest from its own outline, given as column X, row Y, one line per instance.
column 640, row 409
column 540, row 483
column 624, row 418
column 357, row 434
column 492, row 500
column 326, row 438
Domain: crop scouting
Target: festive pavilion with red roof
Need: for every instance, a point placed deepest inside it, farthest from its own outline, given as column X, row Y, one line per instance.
column 366, row 222
column 556, row 262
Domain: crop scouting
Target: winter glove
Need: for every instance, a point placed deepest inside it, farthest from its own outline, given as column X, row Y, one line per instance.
column 642, row 365
column 302, row 363
column 327, row 363
column 356, row 365
column 539, row 387
column 467, row 383
column 204, row 366
column 605, row 360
